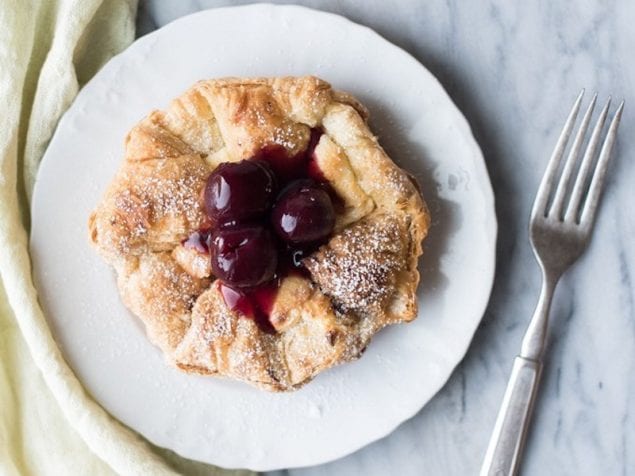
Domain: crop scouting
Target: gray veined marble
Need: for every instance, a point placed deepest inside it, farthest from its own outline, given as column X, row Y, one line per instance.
column 514, row 69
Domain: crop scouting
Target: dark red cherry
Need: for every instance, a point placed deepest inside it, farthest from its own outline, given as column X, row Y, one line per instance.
column 303, row 213
column 239, row 191
column 243, row 255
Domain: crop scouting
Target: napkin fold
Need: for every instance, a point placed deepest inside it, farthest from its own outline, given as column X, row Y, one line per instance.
column 48, row 423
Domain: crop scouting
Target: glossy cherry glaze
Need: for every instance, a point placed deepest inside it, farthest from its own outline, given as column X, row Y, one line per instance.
column 288, row 168
column 254, row 303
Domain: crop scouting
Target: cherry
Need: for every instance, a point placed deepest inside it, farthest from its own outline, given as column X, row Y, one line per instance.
column 239, row 191
column 243, row 255
column 303, row 213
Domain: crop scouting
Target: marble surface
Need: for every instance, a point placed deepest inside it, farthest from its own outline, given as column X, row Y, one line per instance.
column 514, row 69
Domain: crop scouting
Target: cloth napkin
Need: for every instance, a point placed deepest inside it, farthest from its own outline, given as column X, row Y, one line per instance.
column 48, row 424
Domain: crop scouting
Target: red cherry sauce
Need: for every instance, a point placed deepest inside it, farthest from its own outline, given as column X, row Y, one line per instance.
column 254, row 303
column 288, row 168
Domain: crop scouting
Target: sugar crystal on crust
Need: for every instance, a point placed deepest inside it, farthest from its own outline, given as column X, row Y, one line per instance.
column 358, row 267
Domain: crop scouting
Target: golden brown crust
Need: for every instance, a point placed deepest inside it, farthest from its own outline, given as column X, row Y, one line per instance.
column 154, row 287
column 363, row 279
column 150, row 206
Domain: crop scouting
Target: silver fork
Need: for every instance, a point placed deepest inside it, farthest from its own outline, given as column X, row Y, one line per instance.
column 559, row 230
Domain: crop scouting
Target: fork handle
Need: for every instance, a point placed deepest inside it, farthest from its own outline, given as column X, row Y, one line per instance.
column 508, row 438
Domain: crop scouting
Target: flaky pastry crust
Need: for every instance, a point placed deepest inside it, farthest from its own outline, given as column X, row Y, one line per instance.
column 363, row 279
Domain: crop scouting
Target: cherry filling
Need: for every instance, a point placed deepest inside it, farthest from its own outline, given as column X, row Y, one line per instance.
column 288, row 168
column 269, row 212
column 255, row 303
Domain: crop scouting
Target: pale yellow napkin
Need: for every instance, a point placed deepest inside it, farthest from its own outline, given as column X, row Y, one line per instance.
column 48, row 424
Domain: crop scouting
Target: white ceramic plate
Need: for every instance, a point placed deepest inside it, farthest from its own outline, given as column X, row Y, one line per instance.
column 224, row 422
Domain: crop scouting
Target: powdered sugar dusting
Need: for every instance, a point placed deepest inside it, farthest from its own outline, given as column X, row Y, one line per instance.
column 177, row 290
column 291, row 136
column 165, row 193
column 158, row 198
column 357, row 267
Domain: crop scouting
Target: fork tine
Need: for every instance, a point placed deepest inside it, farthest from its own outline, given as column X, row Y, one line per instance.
column 542, row 197
column 597, row 182
column 559, row 199
column 578, row 189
